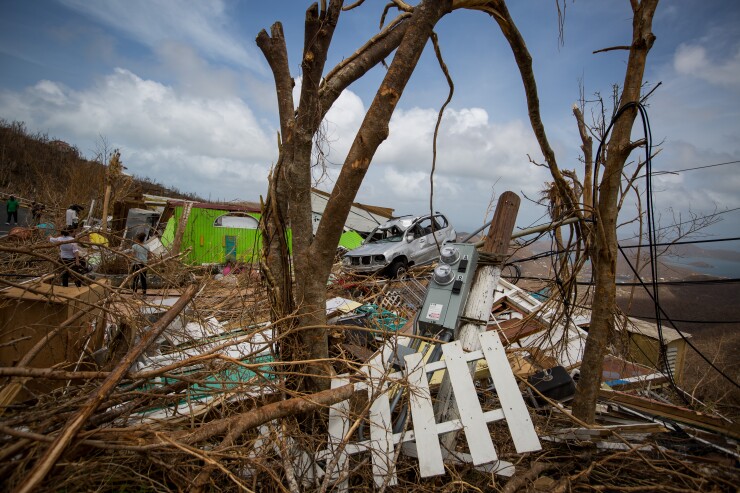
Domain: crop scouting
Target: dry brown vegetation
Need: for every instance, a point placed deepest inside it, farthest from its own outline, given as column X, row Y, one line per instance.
column 37, row 167
column 217, row 448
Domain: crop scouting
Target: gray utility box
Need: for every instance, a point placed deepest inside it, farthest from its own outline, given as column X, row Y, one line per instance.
column 448, row 290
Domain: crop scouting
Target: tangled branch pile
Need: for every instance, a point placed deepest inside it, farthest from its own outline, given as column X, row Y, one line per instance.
column 205, row 405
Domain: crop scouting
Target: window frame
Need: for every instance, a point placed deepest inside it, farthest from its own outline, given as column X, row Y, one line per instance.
column 217, row 223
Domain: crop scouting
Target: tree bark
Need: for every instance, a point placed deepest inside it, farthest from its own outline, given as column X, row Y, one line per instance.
column 235, row 426
column 313, row 256
column 605, row 204
column 603, row 308
column 500, row 13
column 588, row 163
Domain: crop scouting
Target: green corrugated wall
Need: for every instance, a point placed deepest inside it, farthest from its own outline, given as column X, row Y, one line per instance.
column 207, row 242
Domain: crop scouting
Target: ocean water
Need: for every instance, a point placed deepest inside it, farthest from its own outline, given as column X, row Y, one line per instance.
column 707, row 265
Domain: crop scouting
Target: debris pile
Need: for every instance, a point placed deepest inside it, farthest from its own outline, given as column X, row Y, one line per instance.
column 184, row 389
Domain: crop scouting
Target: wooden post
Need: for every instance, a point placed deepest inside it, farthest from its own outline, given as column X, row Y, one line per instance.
column 181, row 225
column 480, row 300
column 104, row 218
column 112, row 173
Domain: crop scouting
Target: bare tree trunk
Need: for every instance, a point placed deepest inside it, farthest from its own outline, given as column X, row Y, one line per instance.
column 588, row 163
column 605, row 239
column 605, row 206
column 313, row 257
column 372, row 133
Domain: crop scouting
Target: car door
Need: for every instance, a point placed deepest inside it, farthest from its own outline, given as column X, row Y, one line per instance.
column 423, row 247
column 442, row 230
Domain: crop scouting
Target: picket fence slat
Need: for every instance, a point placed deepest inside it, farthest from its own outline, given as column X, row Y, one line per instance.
column 517, row 417
column 422, row 414
column 338, row 428
column 475, row 428
column 423, row 436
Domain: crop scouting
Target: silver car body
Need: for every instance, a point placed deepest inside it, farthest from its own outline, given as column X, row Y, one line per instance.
column 407, row 239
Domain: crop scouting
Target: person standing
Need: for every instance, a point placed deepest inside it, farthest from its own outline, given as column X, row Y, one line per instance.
column 69, row 252
column 11, row 207
column 71, row 217
column 138, row 268
column 37, row 208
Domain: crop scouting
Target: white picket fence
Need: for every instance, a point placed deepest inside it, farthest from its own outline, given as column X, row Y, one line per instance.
column 421, row 438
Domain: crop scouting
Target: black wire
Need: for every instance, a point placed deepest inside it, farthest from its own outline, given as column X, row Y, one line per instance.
column 689, row 242
column 669, row 172
column 689, row 221
column 682, row 321
column 684, row 283
column 552, row 253
column 652, row 245
column 668, row 319
column 650, row 221
column 660, row 283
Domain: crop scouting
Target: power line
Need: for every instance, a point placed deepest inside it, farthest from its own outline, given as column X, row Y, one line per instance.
column 552, row 253
column 660, row 283
column 689, row 221
column 688, row 242
column 663, row 314
column 678, row 320
column 692, row 169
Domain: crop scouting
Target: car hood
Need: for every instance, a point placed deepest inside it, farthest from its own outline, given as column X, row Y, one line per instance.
column 372, row 249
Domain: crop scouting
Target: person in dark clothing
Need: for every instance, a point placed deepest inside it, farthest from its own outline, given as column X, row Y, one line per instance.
column 11, row 206
column 37, row 209
column 138, row 268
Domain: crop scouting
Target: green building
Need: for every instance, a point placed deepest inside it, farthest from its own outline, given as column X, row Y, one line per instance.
column 217, row 232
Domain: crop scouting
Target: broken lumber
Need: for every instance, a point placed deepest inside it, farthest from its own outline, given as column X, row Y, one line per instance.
column 67, row 434
column 680, row 414
column 10, row 391
column 480, row 299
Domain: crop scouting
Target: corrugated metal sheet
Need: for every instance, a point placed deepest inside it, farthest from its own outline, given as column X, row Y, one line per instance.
column 208, row 242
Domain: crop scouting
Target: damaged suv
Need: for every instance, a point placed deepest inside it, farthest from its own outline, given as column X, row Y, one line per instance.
column 398, row 244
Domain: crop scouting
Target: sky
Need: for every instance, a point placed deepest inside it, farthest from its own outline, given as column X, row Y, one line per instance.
column 185, row 94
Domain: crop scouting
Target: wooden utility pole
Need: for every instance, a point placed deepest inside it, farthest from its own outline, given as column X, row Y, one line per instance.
column 181, row 225
column 111, row 176
column 480, row 300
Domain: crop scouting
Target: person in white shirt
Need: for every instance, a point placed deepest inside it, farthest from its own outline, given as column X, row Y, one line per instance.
column 69, row 251
column 138, row 268
column 71, row 218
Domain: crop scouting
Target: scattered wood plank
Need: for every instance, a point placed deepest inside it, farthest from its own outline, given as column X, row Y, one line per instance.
column 676, row 413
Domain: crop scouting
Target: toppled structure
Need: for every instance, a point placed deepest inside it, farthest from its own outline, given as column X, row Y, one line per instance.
column 205, row 403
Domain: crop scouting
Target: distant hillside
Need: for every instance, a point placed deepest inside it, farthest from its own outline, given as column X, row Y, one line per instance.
column 36, row 167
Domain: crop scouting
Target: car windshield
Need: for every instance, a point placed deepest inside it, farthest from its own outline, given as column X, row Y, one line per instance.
column 385, row 234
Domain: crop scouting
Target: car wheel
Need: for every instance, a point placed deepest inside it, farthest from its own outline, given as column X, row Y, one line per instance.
column 397, row 269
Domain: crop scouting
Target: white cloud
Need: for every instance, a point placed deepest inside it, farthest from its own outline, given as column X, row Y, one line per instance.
column 206, row 25
column 341, row 124
column 473, row 155
column 694, row 60
column 468, row 146
column 194, row 74
column 217, row 148
column 216, row 178
column 205, row 145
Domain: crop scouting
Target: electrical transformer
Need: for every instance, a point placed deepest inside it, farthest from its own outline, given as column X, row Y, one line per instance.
column 448, row 290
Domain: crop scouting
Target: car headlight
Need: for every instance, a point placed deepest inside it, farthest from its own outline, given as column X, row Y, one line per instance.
column 346, row 261
column 380, row 259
